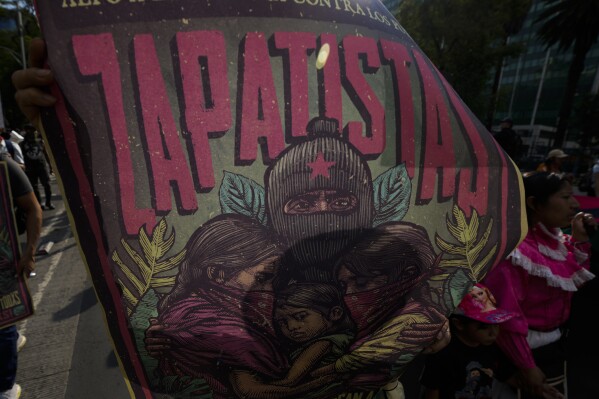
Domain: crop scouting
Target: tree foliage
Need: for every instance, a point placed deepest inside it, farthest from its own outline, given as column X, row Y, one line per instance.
column 569, row 24
column 465, row 39
column 10, row 53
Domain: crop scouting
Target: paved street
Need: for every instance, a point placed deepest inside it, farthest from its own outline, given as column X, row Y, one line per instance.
column 68, row 353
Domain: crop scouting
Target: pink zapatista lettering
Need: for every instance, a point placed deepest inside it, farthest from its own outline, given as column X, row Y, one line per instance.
column 473, row 189
column 207, row 104
column 329, row 81
column 96, row 56
column 363, row 96
column 167, row 160
column 400, row 61
column 259, row 112
column 439, row 157
column 297, row 45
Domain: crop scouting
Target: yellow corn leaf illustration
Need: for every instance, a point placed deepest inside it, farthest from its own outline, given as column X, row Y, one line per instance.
column 473, row 226
column 452, row 263
column 478, row 269
column 170, row 263
column 439, row 277
column 477, row 249
column 449, row 248
column 137, row 284
column 157, row 247
column 158, row 282
column 466, row 252
column 129, row 299
column 142, row 270
column 461, row 223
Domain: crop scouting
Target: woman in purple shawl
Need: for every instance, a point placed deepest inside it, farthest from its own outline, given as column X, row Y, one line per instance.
column 218, row 317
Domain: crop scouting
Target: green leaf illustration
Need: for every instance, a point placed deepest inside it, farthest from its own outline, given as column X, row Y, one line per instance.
column 242, row 196
column 455, row 287
column 392, row 191
column 140, row 321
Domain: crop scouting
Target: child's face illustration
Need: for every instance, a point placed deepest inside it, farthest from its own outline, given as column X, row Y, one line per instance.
column 258, row 277
column 301, row 324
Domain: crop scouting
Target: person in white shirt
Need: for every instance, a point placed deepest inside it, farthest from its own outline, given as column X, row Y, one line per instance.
column 12, row 148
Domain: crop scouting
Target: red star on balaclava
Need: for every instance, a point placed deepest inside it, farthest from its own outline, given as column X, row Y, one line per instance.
column 320, row 167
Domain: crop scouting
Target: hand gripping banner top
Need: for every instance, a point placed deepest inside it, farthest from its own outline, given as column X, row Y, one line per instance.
column 275, row 199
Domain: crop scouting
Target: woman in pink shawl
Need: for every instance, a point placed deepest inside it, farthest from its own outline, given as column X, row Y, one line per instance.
column 538, row 279
column 218, row 317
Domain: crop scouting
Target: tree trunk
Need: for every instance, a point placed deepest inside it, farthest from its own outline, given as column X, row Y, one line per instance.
column 574, row 73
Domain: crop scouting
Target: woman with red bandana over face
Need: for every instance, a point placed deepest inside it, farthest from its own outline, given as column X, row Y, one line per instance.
column 382, row 276
column 218, row 317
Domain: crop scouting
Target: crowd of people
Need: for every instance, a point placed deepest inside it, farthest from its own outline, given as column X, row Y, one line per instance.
column 511, row 327
column 582, row 170
column 509, row 333
column 27, row 149
column 23, row 196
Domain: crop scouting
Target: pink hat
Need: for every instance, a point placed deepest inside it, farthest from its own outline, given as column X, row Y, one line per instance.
column 479, row 304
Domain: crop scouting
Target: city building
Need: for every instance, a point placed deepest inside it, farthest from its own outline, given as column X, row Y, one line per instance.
column 7, row 24
column 532, row 86
column 392, row 5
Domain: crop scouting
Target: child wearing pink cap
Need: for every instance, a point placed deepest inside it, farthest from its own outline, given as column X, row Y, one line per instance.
column 468, row 366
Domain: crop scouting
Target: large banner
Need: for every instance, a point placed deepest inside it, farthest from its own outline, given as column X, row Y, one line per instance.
column 275, row 199
column 15, row 300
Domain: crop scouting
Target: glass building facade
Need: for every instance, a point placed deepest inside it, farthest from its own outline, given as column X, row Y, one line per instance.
column 532, row 86
column 391, row 5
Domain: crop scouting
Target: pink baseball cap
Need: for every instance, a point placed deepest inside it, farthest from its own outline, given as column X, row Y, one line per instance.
column 479, row 304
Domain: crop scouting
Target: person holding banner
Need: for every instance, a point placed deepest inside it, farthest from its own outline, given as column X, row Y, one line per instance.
column 23, row 197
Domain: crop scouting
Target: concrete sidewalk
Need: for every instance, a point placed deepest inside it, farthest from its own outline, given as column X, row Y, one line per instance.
column 68, row 353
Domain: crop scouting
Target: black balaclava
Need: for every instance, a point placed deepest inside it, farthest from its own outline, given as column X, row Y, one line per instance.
column 323, row 162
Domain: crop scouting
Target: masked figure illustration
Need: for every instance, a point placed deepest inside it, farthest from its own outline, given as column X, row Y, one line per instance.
column 319, row 198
